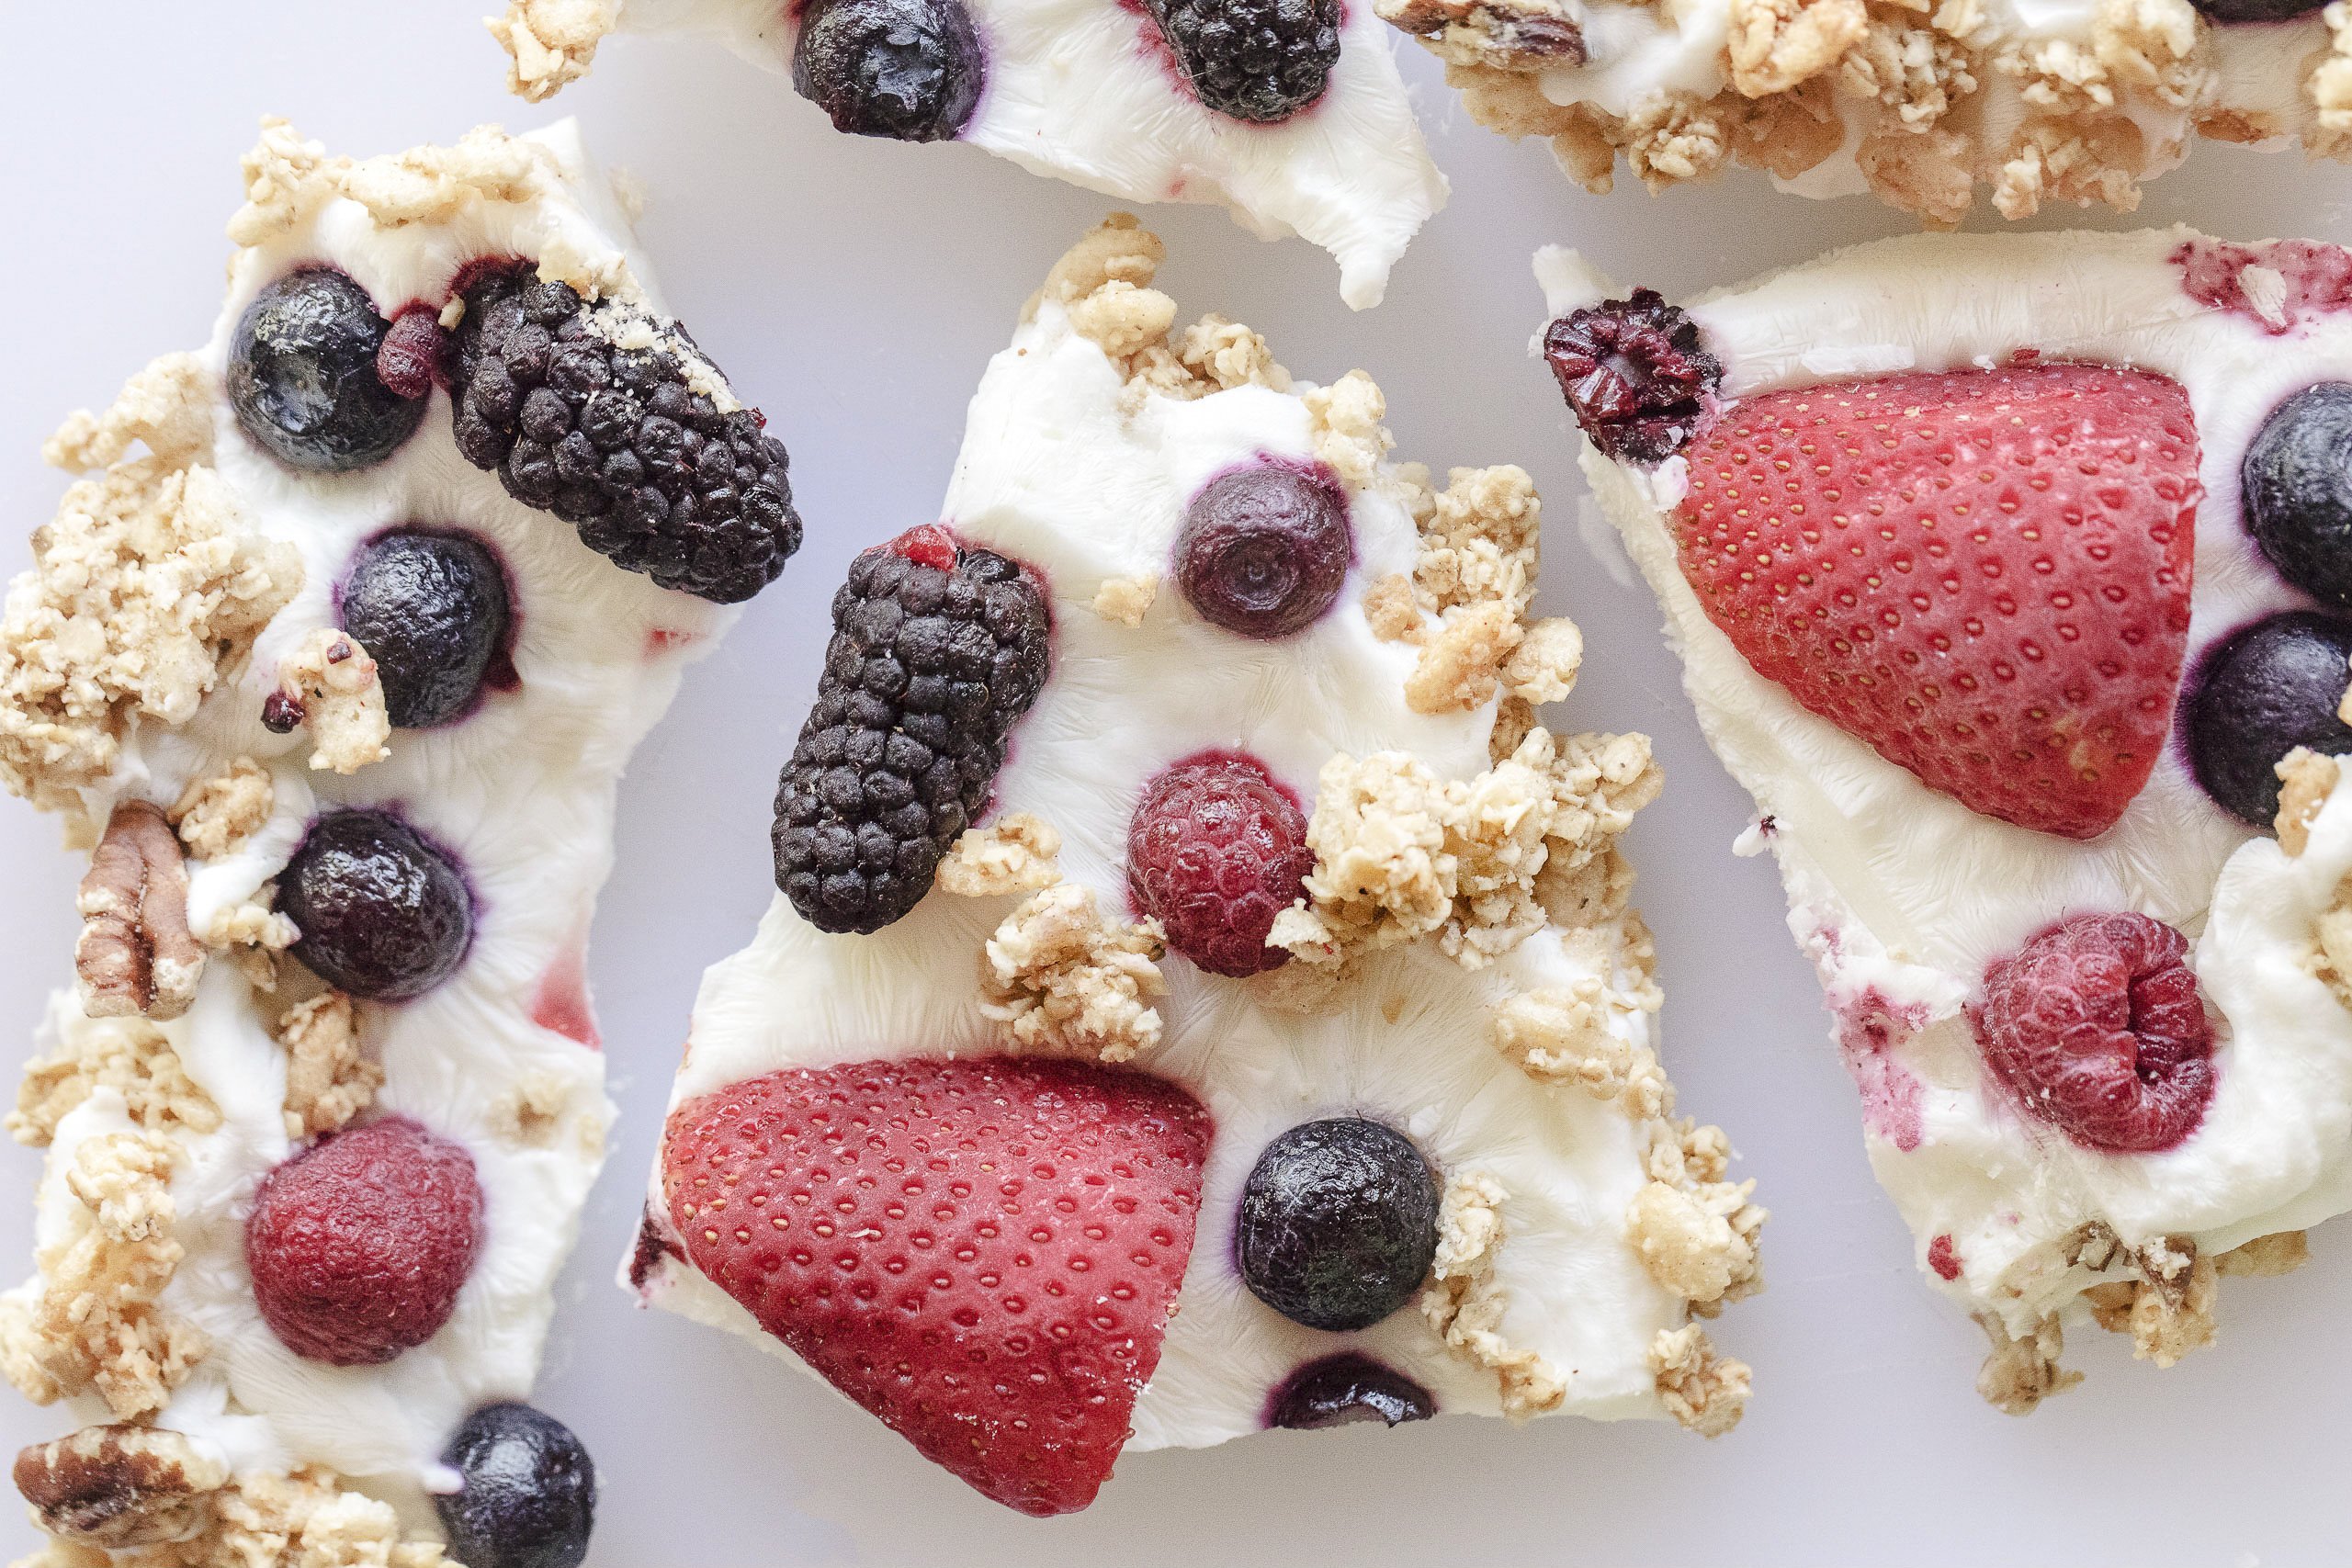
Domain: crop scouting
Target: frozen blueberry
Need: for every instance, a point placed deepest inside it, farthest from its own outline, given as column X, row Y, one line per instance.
column 529, row 1494
column 2271, row 687
column 1341, row 1390
column 431, row 609
column 2297, row 484
column 383, row 913
column 303, row 375
column 1264, row 549
column 907, row 69
column 1339, row 1222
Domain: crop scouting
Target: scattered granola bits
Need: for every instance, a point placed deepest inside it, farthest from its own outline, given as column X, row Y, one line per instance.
column 2019, row 1374
column 1350, row 439
column 1465, row 1305
column 1104, row 283
column 1476, row 569
column 2266, row 1256
column 288, row 178
column 167, row 407
column 1705, row 1391
column 1066, row 979
column 2168, row 1311
column 2306, row 779
column 1775, row 44
column 1126, row 599
column 136, row 955
column 1563, row 1037
column 1695, row 1230
column 2330, row 86
column 551, row 43
column 327, row 1080
column 330, row 684
column 122, row 1486
column 1014, row 854
column 129, row 1056
column 215, row 815
column 1391, row 609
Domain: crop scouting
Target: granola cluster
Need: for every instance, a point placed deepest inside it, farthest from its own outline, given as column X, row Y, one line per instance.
column 137, row 1497
column 1465, row 1305
column 1900, row 85
column 1064, row 977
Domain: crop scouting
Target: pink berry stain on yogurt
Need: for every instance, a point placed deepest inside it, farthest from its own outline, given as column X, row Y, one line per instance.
column 561, row 1002
column 1870, row 1026
column 2277, row 284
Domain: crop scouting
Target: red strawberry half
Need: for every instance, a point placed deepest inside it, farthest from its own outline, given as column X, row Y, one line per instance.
column 982, row 1252
column 1984, row 574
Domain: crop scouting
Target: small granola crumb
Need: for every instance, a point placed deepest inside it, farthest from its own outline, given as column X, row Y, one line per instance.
column 1349, row 437
column 167, row 407
column 1391, row 609
column 2171, row 1308
column 129, row 1056
column 1705, row 1391
column 1065, row 978
column 1226, row 354
column 2266, row 1256
column 122, row 1486
column 1125, row 598
column 136, row 955
column 2330, row 87
column 327, row 1080
column 332, row 682
column 1563, row 1037
column 1461, row 663
column 2305, row 781
column 288, row 178
column 1695, row 1230
column 535, row 1108
column 2019, row 1374
column 1542, row 669
column 1014, row 854
column 551, row 43
column 216, row 815
column 1465, row 1305
column 1775, row 44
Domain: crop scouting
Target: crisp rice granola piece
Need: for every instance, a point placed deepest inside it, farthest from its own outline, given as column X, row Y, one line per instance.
column 214, row 815
column 1465, row 1305
column 1705, row 1391
column 1065, row 978
column 1014, row 854
column 1127, row 600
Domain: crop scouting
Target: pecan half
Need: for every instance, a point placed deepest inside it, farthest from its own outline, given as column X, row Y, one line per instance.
column 120, row 1487
column 136, row 955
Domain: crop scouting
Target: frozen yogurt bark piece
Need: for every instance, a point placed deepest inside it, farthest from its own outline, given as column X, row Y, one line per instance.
column 340, row 716
column 1922, row 105
column 1201, row 996
column 2008, row 575
column 1290, row 113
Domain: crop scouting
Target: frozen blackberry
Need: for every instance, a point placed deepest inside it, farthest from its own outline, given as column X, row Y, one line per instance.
column 937, row 650
column 431, row 609
column 1264, row 549
column 618, row 441
column 2273, row 686
column 1260, row 61
column 2297, row 484
column 1338, row 1223
column 910, row 70
column 1635, row 373
column 2257, row 10
column 303, row 375
column 1341, row 1390
column 383, row 913
column 528, row 1491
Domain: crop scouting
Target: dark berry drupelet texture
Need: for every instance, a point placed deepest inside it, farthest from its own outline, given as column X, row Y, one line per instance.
column 2257, row 10
column 1635, row 373
column 1265, row 548
column 616, row 441
column 1341, row 1390
column 910, row 70
column 383, row 914
column 431, row 609
column 529, row 1494
column 2297, row 484
column 303, row 375
column 359, row 1245
column 1337, row 1223
column 1262, row 61
column 1216, row 851
column 2273, row 686
column 928, row 669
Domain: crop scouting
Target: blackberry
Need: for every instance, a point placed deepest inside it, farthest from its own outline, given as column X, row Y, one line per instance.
column 432, row 610
column 2297, row 485
column 937, row 650
column 2273, row 686
column 303, row 375
column 528, row 1497
column 1265, row 548
column 910, row 70
column 1339, row 1222
column 1341, row 1390
column 2257, row 10
column 616, row 441
column 1260, row 61
column 1635, row 373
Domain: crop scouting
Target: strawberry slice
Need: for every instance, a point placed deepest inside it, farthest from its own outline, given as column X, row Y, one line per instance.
column 1983, row 574
column 982, row 1252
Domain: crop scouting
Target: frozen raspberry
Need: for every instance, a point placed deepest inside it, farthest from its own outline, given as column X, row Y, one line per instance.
column 1265, row 548
column 412, row 357
column 1634, row 375
column 1216, row 851
column 2099, row 1028
column 359, row 1245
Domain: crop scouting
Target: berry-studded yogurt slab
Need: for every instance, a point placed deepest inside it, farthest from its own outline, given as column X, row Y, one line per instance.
column 1922, row 105
column 1290, row 113
column 2008, row 576
column 1202, row 996
column 340, row 715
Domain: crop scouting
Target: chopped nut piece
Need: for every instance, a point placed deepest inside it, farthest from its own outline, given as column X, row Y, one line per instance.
column 2019, row 1374
column 216, row 815
column 1465, row 1305
column 551, row 43
column 1508, row 35
column 1126, row 599
column 327, row 1080
column 1705, row 1391
column 330, row 684
column 129, row 1056
column 1014, row 854
column 136, row 954
column 120, row 1487
column 1067, row 979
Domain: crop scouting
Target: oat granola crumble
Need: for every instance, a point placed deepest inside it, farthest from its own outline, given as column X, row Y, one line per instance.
column 1064, row 977
column 1705, row 1391
column 551, row 43
column 129, row 1056
column 215, row 815
column 1465, row 1305
column 1014, row 854
column 2019, row 1374
column 1126, row 600
column 332, row 682
column 327, row 1080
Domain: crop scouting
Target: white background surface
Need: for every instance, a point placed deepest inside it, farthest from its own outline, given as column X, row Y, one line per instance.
column 854, row 289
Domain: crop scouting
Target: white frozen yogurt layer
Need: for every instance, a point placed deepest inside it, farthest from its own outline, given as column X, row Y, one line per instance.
column 1901, row 896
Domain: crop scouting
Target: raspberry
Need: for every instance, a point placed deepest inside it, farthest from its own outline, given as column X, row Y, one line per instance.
column 1260, row 61
column 1634, row 375
column 1264, row 549
column 414, row 356
column 928, row 669
column 359, row 1245
column 2099, row 1028
column 1216, row 849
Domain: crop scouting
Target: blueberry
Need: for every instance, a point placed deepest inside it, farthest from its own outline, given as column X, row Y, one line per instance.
column 529, row 1492
column 303, row 375
column 2271, row 687
column 383, row 913
column 431, row 610
column 2297, row 489
column 1339, row 1222
column 1265, row 548
column 907, row 69
column 1341, row 1390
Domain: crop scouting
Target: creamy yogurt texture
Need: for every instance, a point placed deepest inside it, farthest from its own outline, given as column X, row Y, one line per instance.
column 502, row 1057
column 1901, row 896
column 1083, row 90
column 1084, row 473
